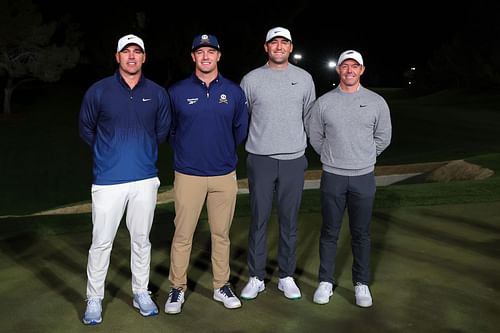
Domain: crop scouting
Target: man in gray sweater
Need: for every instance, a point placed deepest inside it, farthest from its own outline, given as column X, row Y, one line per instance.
column 279, row 96
column 349, row 127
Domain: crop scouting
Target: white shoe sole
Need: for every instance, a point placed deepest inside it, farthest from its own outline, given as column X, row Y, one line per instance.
column 176, row 311
column 322, row 301
column 227, row 306
column 92, row 322
column 153, row 312
column 294, row 297
column 364, row 304
column 248, row 298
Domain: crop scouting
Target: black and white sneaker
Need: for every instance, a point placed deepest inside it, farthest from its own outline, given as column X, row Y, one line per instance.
column 174, row 301
column 226, row 295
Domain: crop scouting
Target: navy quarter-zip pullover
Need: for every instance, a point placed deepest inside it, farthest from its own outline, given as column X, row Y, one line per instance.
column 202, row 143
column 125, row 140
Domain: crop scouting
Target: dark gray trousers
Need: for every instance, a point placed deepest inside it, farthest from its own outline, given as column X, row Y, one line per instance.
column 267, row 176
column 357, row 193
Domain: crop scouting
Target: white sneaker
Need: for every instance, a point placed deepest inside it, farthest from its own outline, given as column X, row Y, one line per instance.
column 323, row 293
column 226, row 295
column 252, row 288
column 145, row 305
column 174, row 301
column 93, row 312
column 363, row 296
column 288, row 286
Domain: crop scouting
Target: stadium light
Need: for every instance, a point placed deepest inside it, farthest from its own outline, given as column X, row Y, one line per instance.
column 297, row 57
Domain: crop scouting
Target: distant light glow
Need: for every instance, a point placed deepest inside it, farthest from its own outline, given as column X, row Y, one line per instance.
column 332, row 64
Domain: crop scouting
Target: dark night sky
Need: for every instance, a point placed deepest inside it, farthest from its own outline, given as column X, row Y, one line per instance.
column 391, row 38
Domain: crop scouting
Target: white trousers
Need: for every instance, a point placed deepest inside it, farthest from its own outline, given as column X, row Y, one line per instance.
column 109, row 203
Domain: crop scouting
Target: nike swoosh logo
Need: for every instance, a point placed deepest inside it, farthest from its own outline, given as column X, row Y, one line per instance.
column 146, row 99
column 294, row 83
column 362, row 105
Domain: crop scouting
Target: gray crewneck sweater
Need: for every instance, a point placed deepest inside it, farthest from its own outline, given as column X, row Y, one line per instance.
column 279, row 101
column 349, row 130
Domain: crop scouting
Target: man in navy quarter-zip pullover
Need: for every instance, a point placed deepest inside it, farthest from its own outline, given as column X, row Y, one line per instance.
column 123, row 118
column 210, row 121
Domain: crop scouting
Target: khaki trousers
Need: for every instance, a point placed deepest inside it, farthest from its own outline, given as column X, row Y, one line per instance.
column 190, row 193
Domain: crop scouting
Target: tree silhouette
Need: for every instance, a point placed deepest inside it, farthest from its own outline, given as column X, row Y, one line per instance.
column 31, row 49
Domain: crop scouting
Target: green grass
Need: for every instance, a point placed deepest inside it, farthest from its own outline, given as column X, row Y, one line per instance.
column 435, row 246
column 434, row 269
column 45, row 164
column 443, row 126
column 457, row 192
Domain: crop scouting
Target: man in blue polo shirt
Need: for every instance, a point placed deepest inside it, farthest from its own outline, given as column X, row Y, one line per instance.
column 123, row 118
column 210, row 120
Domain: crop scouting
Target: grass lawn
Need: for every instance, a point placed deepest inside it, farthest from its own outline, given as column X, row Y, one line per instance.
column 45, row 164
column 435, row 246
column 435, row 269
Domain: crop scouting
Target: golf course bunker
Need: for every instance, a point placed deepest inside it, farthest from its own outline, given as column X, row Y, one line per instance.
column 459, row 170
column 386, row 175
column 456, row 170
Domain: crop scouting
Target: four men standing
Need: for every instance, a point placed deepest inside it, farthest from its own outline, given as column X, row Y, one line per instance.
column 124, row 117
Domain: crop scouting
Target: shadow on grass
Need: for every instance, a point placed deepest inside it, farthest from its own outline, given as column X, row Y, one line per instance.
column 435, row 269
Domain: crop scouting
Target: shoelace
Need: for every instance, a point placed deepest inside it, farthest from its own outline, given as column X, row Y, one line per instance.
column 174, row 295
column 143, row 298
column 93, row 304
column 288, row 281
column 255, row 282
column 362, row 289
column 324, row 287
column 226, row 291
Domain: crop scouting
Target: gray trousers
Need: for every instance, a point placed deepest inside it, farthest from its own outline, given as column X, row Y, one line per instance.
column 267, row 177
column 357, row 193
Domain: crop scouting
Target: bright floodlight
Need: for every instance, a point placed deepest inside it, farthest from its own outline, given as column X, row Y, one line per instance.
column 297, row 56
column 332, row 64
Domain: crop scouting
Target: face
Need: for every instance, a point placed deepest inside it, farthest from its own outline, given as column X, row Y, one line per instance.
column 130, row 59
column 206, row 59
column 350, row 73
column 278, row 50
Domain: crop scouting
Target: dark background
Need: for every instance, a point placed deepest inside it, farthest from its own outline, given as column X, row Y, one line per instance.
column 392, row 38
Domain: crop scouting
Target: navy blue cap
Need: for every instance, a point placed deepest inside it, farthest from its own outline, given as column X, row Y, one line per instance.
column 205, row 40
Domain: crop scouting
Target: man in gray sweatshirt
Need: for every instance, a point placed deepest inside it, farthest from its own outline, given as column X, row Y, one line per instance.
column 279, row 96
column 349, row 127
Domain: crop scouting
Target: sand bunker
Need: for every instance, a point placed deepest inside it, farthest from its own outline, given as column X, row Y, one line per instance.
column 459, row 170
column 417, row 172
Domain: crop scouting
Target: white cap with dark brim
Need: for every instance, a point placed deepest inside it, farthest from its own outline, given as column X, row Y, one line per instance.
column 350, row 54
column 278, row 32
column 130, row 39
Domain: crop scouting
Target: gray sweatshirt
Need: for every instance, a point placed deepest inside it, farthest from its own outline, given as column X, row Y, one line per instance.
column 349, row 130
column 279, row 101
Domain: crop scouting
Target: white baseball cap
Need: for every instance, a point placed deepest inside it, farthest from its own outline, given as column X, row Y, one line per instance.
column 350, row 54
column 278, row 32
column 129, row 39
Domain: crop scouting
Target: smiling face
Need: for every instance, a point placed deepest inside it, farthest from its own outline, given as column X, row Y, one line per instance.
column 350, row 72
column 130, row 59
column 278, row 50
column 206, row 59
